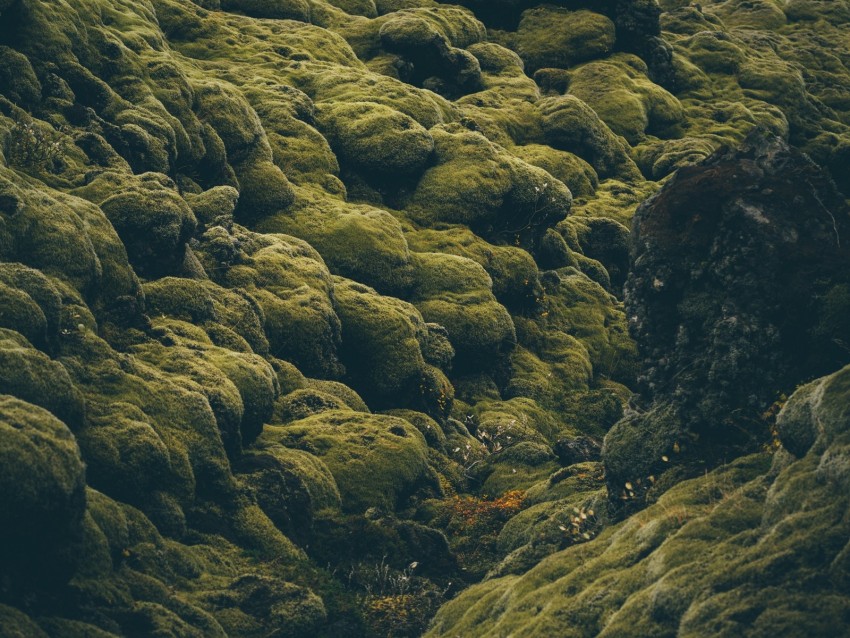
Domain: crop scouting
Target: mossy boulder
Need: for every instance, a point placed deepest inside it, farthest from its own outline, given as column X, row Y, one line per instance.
column 303, row 403
column 211, row 307
column 43, row 488
column 573, row 171
column 277, row 9
column 263, row 188
column 478, row 184
column 377, row 461
column 455, row 292
column 620, row 93
column 375, row 139
column 571, row 125
column 31, row 376
column 356, row 241
column 154, row 224
column 380, row 345
column 556, row 37
column 18, row 81
column 287, row 285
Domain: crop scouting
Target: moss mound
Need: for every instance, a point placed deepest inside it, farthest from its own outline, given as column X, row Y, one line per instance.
column 377, row 461
column 43, row 479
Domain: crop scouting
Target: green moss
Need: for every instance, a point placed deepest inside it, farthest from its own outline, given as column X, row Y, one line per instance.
column 209, row 306
column 576, row 173
column 377, row 461
column 18, row 81
column 278, row 9
column 427, row 426
column 341, row 391
column 31, row 376
column 356, row 241
column 43, row 496
column 263, row 188
column 309, row 471
column 380, row 345
column 478, row 184
column 513, row 271
column 626, row 100
column 555, row 37
column 18, row 625
column 303, row 403
column 154, row 224
column 455, row 293
column 288, row 285
column 375, row 139
column 581, row 308
column 571, row 125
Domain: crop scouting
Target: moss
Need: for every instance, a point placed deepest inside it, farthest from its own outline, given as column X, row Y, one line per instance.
column 571, row 125
column 380, row 345
column 18, row 81
column 517, row 468
column 18, row 625
column 620, row 93
column 254, row 605
column 341, row 391
column 356, row 241
column 154, row 224
column 477, row 184
column 208, row 306
column 31, row 376
column 455, row 292
column 576, row 173
column 513, row 270
column 303, row 403
column 288, row 284
column 762, row 14
column 310, row 473
column 43, row 487
column 555, row 37
column 263, row 188
column 580, row 307
column 562, row 373
column 364, row 8
column 21, row 314
column 377, row 461
column 427, row 426
column 215, row 206
column 375, row 139
column 278, row 9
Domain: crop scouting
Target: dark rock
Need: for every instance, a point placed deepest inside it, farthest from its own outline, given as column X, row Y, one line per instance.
column 736, row 265
column 577, row 450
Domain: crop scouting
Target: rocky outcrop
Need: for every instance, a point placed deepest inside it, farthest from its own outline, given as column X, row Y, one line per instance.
column 737, row 292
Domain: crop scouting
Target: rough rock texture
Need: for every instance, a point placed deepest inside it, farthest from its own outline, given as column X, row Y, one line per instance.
column 737, row 266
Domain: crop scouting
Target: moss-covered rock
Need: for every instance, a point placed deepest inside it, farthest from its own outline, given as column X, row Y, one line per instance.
column 376, row 139
column 556, row 37
column 43, row 487
column 571, row 125
column 380, row 345
column 31, row 376
column 278, row 9
column 359, row 242
column 455, row 292
column 477, row 184
column 377, row 461
column 288, row 286
column 154, row 224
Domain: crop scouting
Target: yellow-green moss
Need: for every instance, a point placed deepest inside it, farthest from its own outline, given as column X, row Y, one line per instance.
column 377, row 461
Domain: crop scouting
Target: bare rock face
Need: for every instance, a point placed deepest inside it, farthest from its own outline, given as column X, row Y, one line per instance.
column 738, row 291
